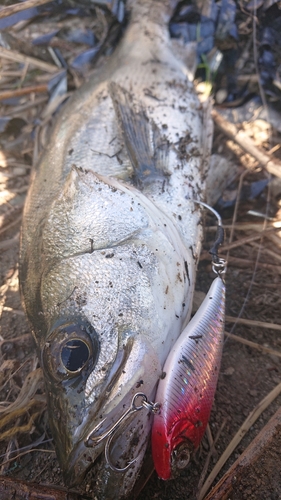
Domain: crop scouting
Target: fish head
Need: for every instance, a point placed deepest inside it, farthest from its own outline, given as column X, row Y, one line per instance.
column 112, row 302
column 81, row 422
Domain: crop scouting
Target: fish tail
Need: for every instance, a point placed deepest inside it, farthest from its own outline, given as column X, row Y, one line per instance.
column 157, row 10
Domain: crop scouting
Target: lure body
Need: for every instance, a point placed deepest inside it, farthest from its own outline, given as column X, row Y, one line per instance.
column 187, row 390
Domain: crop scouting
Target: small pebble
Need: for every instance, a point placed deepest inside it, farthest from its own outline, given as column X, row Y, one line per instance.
column 253, row 393
column 229, row 371
column 221, row 96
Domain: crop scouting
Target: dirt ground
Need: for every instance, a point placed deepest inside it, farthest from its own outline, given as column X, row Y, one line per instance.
column 247, row 375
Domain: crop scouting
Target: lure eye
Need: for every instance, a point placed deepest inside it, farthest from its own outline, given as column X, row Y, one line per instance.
column 74, row 355
column 71, row 350
column 181, row 457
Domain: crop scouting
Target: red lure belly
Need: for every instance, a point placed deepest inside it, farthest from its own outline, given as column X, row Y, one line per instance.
column 187, row 390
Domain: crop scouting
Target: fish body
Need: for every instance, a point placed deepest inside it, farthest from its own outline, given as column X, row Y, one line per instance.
column 186, row 392
column 110, row 245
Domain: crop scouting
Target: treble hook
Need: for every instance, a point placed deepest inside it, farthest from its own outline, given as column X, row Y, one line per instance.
column 108, row 459
column 109, row 434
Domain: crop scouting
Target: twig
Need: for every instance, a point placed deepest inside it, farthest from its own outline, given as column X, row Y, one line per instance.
column 254, row 452
column 16, row 457
column 18, row 7
column 12, row 445
column 268, row 285
column 274, row 149
column 11, row 162
column 247, row 226
column 7, row 94
column 15, row 429
column 25, row 340
column 256, row 57
column 242, row 241
column 247, row 78
column 4, row 288
column 247, row 144
column 13, row 55
column 30, row 104
column 209, row 436
column 14, row 311
column 23, row 75
column 252, row 322
column 28, row 447
column 16, row 221
column 19, row 190
column 261, row 348
column 256, row 263
column 13, row 374
column 4, row 245
column 11, row 73
column 245, row 240
column 275, row 239
column 268, row 251
column 234, row 218
column 25, row 396
column 16, row 488
column 35, row 478
column 211, row 452
column 246, row 263
column 250, row 420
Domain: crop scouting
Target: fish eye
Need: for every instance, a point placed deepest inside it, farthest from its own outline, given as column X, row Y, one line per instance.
column 70, row 350
column 74, row 355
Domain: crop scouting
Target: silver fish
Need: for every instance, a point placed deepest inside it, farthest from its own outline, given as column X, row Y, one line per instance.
column 110, row 245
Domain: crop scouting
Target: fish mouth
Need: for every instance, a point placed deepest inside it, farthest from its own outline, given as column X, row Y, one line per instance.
column 116, row 422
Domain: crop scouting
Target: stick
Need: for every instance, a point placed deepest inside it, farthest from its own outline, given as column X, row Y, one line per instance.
column 13, row 55
column 18, row 7
column 246, row 263
column 247, row 226
column 250, row 420
column 23, row 107
column 259, row 347
column 268, row 251
column 255, row 451
column 242, row 241
column 211, row 452
column 4, row 245
column 14, row 223
column 252, row 322
column 14, row 311
column 16, row 457
column 7, row 94
column 247, row 144
column 16, row 488
column 275, row 239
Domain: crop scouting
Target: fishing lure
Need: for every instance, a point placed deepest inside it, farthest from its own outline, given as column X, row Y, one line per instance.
column 190, row 375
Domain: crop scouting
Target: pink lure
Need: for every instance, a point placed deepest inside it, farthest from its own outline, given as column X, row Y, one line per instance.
column 187, row 389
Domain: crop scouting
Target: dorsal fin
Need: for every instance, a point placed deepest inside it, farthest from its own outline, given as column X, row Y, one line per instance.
column 147, row 149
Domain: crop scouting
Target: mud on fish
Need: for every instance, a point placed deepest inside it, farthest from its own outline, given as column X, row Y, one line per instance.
column 110, row 244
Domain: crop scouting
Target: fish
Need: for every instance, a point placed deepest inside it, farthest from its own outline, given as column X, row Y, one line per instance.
column 110, row 243
column 186, row 392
